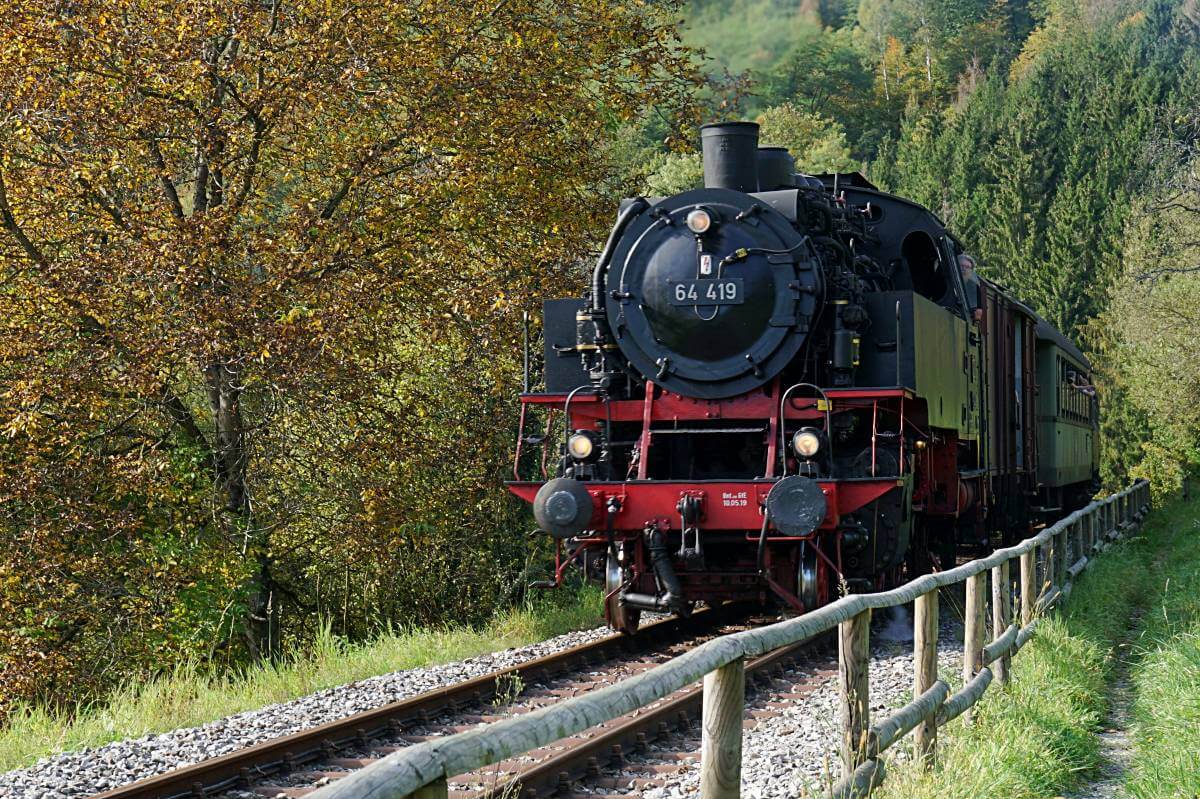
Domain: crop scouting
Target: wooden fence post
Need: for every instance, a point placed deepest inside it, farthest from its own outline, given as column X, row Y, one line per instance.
column 854, row 656
column 925, row 671
column 1029, row 586
column 1046, row 565
column 974, row 630
column 1048, row 551
column 1060, row 559
column 721, row 744
column 434, row 790
column 1068, row 534
column 1001, row 616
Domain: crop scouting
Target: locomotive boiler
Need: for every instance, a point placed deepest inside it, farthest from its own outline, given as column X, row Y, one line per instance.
column 783, row 387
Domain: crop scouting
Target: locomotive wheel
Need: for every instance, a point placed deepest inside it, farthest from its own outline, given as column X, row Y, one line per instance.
column 808, row 579
column 948, row 550
column 920, row 559
column 621, row 618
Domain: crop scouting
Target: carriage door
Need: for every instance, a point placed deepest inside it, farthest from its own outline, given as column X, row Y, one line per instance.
column 1019, row 388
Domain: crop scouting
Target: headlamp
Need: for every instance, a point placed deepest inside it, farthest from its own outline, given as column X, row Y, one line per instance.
column 582, row 445
column 699, row 220
column 806, row 442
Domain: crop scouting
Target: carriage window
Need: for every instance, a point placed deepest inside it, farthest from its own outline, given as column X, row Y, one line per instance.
column 929, row 275
column 1076, row 394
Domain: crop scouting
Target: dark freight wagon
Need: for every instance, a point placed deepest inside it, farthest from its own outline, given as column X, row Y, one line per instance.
column 784, row 386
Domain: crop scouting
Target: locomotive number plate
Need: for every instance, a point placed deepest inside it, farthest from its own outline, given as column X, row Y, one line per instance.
column 706, row 292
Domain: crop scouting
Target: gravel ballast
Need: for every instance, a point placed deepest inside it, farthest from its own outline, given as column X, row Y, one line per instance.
column 786, row 755
column 795, row 753
column 93, row 770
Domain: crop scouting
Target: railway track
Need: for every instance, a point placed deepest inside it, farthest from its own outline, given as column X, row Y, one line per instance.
column 294, row 765
column 636, row 752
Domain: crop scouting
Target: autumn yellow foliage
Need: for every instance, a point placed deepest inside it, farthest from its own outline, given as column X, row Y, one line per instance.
column 262, row 265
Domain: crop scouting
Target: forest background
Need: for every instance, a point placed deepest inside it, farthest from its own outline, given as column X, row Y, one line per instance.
column 263, row 269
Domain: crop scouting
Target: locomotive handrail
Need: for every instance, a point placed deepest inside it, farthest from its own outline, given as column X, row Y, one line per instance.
column 421, row 770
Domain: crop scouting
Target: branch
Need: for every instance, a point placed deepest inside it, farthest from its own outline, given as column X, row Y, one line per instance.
column 10, row 224
column 1176, row 205
column 146, row 441
column 115, row 428
column 100, row 197
column 1155, row 274
column 200, row 199
column 167, row 184
column 183, row 418
column 372, row 152
column 339, row 263
column 251, row 169
column 174, row 406
column 125, row 78
column 291, row 594
column 96, row 194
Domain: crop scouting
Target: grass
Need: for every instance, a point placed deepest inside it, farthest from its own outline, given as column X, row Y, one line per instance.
column 1037, row 738
column 187, row 697
column 1166, row 678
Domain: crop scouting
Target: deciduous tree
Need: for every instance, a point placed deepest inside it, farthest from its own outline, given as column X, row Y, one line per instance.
column 220, row 224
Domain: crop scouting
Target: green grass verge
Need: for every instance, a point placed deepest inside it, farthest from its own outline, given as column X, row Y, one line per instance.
column 187, row 697
column 1166, row 675
column 1037, row 738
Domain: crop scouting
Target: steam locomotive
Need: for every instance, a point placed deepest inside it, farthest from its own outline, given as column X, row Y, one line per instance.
column 783, row 387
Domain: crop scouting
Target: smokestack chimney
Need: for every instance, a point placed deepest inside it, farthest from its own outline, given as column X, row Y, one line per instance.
column 730, row 152
column 776, row 168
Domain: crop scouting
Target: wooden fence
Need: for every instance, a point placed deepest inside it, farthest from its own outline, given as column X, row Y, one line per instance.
column 1047, row 564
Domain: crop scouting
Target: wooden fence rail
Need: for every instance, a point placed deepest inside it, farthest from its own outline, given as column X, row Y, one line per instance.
column 1065, row 549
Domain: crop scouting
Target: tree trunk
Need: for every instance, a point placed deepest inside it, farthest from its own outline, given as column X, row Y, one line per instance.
column 262, row 611
column 230, row 460
column 229, row 440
